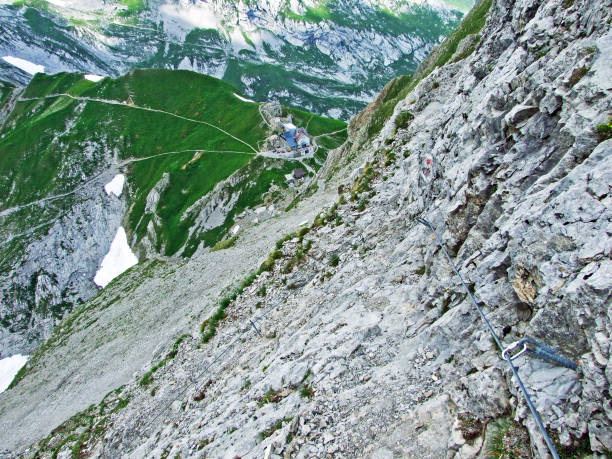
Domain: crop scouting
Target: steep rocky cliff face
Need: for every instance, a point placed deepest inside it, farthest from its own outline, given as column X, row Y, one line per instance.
column 50, row 265
column 357, row 339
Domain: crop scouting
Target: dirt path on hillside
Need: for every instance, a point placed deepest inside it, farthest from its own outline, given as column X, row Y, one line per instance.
column 136, row 107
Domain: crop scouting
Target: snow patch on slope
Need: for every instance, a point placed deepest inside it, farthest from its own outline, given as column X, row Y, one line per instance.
column 9, row 368
column 24, row 65
column 115, row 186
column 119, row 259
column 94, row 78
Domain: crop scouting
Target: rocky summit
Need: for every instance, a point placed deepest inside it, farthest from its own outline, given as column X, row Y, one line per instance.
column 339, row 328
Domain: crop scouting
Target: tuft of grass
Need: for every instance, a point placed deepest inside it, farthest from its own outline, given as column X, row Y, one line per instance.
column 403, row 119
column 147, row 378
column 298, row 257
column 225, row 244
column 471, row 428
column 205, row 442
column 420, row 271
column 508, row 440
column 334, row 259
column 273, row 428
column 604, row 131
column 362, row 183
column 304, row 389
column 293, row 203
column 389, row 157
column 271, row 396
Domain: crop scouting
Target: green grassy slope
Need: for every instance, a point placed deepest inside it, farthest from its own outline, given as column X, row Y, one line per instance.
column 5, row 92
column 151, row 122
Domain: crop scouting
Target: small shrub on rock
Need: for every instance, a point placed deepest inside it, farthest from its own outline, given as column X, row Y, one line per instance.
column 604, row 131
column 402, row 120
column 334, row 259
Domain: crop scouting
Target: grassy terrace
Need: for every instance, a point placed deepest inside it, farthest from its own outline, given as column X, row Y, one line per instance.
column 154, row 122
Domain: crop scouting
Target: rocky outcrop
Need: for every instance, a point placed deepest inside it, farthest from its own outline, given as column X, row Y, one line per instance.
column 359, row 340
column 55, row 271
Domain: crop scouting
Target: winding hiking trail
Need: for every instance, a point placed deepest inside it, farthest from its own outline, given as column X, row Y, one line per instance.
column 136, row 107
column 127, row 161
column 14, row 209
column 327, row 134
column 119, row 164
column 33, row 229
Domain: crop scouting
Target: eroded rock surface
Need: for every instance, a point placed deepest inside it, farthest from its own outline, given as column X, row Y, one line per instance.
column 368, row 345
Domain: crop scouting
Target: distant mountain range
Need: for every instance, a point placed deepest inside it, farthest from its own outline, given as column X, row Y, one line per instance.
column 327, row 56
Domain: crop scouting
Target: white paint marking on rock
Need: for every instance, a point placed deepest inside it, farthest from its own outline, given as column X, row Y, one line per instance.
column 244, row 99
column 9, row 368
column 119, row 259
column 115, row 186
column 94, row 78
column 24, row 65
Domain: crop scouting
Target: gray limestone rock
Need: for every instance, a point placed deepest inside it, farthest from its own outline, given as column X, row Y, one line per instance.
column 383, row 354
